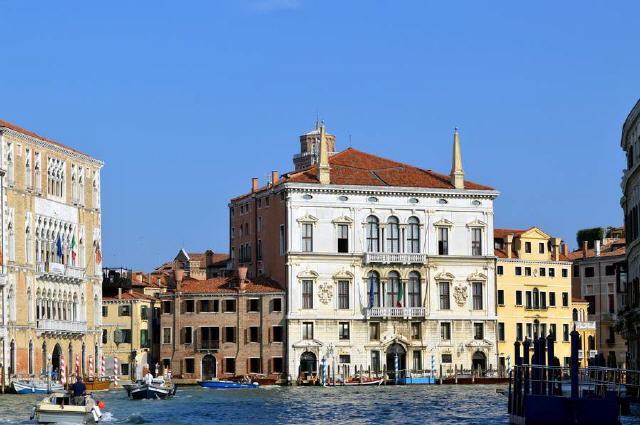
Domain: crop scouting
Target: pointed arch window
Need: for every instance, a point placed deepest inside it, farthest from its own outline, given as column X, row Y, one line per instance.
column 413, row 235
column 373, row 234
column 393, row 234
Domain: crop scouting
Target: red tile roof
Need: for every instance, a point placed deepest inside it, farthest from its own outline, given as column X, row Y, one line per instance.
column 130, row 296
column 502, row 233
column 612, row 248
column 36, row 136
column 227, row 285
column 354, row 167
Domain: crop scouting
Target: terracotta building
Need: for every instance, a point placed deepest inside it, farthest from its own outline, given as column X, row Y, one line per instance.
column 223, row 327
column 195, row 265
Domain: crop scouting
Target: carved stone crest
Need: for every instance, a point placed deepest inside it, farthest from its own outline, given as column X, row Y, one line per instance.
column 460, row 295
column 326, row 293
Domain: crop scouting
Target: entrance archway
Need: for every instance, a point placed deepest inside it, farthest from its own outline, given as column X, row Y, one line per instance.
column 479, row 362
column 308, row 363
column 55, row 359
column 208, row 367
column 396, row 351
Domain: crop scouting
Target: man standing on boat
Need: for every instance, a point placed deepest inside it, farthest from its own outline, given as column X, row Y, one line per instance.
column 79, row 391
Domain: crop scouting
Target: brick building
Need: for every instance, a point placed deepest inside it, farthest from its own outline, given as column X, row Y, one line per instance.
column 223, row 327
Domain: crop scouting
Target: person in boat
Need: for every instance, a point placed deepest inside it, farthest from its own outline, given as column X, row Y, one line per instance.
column 79, row 390
column 148, row 378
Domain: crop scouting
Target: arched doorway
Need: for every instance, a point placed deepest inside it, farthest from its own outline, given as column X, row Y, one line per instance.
column 396, row 352
column 308, row 364
column 479, row 362
column 208, row 367
column 55, row 359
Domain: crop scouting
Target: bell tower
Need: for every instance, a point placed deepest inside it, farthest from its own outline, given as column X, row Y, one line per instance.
column 310, row 147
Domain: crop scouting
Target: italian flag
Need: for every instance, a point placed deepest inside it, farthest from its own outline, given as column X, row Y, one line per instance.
column 400, row 296
column 73, row 249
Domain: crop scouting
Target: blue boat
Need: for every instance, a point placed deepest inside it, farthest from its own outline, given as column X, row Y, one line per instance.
column 227, row 384
column 35, row 387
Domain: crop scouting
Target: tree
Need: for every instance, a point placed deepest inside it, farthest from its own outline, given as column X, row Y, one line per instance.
column 589, row 235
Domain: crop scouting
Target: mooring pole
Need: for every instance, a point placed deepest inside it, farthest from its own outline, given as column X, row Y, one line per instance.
column 575, row 345
column 550, row 362
column 525, row 364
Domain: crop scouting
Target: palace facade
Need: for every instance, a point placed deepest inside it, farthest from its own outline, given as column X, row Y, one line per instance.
column 381, row 260
column 51, row 255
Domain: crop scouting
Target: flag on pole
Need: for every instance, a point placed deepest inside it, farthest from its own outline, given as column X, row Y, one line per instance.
column 98, row 253
column 400, row 296
column 59, row 247
column 73, row 249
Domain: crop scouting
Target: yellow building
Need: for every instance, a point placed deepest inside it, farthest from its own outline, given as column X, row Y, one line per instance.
column 533, row 281
column 127, row 333
column 51, row 258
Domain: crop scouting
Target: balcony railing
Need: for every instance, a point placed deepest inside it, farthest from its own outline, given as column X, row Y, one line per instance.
column 396, row 312
column 583, row 326
column 60, row 271
column 209, row 345
column 394, row 258
column 61, row 326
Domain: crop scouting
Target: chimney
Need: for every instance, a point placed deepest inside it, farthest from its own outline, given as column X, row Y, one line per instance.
column 274, row 178
column 509, row 245
column 457, row 173
column 556, row 248
column 324, row 172
column 585, row 247
column 119, row 293
column 597, row 248
column 254, row 185
column 179, row 275
column 565, row 249
column 139, row 277
column 242, row 277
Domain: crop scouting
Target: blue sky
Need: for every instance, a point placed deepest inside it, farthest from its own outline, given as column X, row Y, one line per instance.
column 186, row 101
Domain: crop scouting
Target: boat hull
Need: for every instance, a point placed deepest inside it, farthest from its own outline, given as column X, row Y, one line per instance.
column 227, row 384
column 93, row 386
column 64, row 418
column 38, row 388
column 141, row 392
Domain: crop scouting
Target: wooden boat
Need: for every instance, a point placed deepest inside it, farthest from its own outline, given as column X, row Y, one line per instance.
column 100, row 384
column 36, row 387
column 214, row 383
column 61, row 408
column 357, row 382
column 157, row 389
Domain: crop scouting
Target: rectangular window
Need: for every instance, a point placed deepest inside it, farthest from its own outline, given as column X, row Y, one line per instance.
column 565, row 332
column 500, row 331
column 166, row 307
column 166, row 335
column 209, row 306
column 126, row 336
column 144, row 312
column 283, row 245
column 343, row 330
column 444, row 296
column 105, row 311
column 527, row 271
column 229, row 306
column 253, row 334
column 307, row 330
column 565, row 299
column 500, row 296
column 447, row 358
column 415, row 330
column 592, row 304
column 611, row 304
column 518, row 271
column 565, row 273
column 519, row 298
column 477, row 295
column 543, row 272
column 259, row 250
column 144, row 338
column 277, row 334
column 529, row 331
column 255, row 365
column 343, row 238
column 124, row 369
column 307, row 237
column 307, row 294
column 276, row 304
column 124, row 310
column 609, row 270
column 552, row 330
column 253, row 305
column 189, row 306
column 476, row 241
column 443, row 241
column 186, row 336
column 344, row 359
column 541, row 248
column 374, row 331
column 417, row 360
column 519, row 332
column 229, row 334
column 230, row 365
column 478, row 331
column 589, row 272
column 500, row 270
column 552, row 272
column 529, row 300
column 189, row 366
column 527, row 247
column 543, row 330
column 445, row 331
column 552, row 299
column 543, row 300
column 375, row 361
column 343, row 294
column 576, row 271
column 278, row 363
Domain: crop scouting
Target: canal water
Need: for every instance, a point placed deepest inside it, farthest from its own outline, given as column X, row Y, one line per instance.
column 447, row 404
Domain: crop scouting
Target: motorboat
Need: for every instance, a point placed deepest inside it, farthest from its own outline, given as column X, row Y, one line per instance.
column 97, row 384
column 36, row 387
column 62, row 408
column 157, row 388
column 215, row 383
column 356, row 382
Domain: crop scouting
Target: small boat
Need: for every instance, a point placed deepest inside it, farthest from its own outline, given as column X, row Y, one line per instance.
column 62, row 408
column 99, row 384
column 157, row 389
column 215, row 383
column 36, row 387
column 357, row 382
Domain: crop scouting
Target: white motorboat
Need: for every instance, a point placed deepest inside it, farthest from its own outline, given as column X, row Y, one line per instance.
column 36, row 387
column 158, row 388
column 62, row 408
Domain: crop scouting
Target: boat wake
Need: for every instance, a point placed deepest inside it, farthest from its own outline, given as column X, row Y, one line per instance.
column 108, row 417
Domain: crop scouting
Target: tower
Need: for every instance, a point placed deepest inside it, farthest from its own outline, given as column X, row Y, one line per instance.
column 457, row 173
column 310, row 148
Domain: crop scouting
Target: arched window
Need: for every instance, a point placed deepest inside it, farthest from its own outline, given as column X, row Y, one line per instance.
column 393, row 235
column 394, row 293
column 373, row 285
column 575, row 314
column 413, row 235
column 373, row 234
column 414, row 296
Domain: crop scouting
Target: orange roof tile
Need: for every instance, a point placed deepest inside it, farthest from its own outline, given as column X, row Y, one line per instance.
column 614, row 248
column 36, row 136
column 227, row 285
column 130, row 296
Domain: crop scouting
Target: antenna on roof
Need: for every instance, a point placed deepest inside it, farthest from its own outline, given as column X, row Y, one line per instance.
column 317, row 119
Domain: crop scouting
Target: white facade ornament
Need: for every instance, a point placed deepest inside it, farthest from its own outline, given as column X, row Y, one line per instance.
column 308, row 274
column 476, row 223
column 444, row 276
column 460, row 295
column 343, row 220
column 443, row 222
column 325, row 293
column 307, row 218
column 475, row 276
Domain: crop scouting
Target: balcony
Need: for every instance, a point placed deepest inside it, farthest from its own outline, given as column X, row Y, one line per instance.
column 59, row 272
column 403, row 312
column 394, row 258
column 585, row 326
column 61, row 327
column 209, row 345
